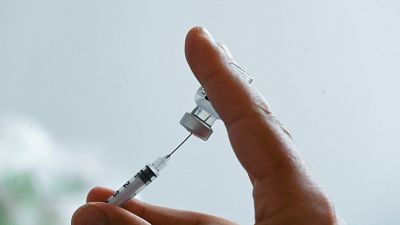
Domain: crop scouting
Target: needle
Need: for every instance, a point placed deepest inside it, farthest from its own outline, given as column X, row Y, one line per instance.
column 179, row 145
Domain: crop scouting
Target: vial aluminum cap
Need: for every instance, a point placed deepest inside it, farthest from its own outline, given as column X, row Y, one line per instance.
column 195, row 126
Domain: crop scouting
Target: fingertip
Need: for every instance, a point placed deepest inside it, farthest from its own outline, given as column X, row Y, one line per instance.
column 92, row 195
column 197, row 40
column 200, row 43
column 196, row 35
column 204, row 55
column 98, row 194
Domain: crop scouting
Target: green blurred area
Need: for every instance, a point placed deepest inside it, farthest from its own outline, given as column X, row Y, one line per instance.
column 22, row 194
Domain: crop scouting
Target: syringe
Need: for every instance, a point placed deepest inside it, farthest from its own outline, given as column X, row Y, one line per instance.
column 143, row 178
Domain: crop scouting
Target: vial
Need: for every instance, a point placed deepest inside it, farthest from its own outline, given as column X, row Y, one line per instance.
column 203, row 116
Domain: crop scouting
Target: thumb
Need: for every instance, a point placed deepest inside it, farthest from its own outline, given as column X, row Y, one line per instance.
column 98, row 213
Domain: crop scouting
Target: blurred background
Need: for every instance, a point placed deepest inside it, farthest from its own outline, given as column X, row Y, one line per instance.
column 90, row 91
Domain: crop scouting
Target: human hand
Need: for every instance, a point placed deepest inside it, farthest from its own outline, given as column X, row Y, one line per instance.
column 283, row 191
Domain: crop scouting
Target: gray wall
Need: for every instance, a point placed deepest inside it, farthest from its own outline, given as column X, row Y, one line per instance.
column 97, row 88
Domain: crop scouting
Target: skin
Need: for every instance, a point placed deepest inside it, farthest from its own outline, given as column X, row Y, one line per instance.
column 283, row 191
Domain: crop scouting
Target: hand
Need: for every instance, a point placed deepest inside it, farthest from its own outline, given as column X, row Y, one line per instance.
column 283, row 192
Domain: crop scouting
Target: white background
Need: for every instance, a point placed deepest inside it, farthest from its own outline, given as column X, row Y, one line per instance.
column 108, row 79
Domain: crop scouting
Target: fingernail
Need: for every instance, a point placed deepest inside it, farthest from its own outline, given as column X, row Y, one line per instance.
column 223, row 47
column 226, row 50
column 89, row 215
column 208, row 34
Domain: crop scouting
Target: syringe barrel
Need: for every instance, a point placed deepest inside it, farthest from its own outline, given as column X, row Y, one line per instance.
column 133, row 186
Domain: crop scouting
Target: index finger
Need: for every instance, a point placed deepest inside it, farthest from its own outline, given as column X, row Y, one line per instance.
column 258, row 140
column 213, row 66
column 156, row 214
